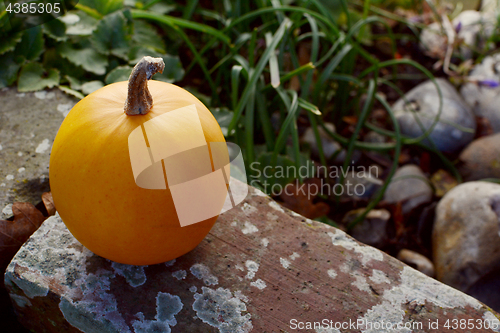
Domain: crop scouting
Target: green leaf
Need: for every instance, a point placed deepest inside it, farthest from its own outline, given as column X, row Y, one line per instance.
column 173, row 70
column 55, row 29
column 8, row 69
column 31, row 45
column 71, row 92
column 103, row 7
column 91, row 86
column 88, row 58
column 79, row 24
column 9, row 41
column 120, row 73
column 74, row 83
column 146, row 35
column 112, row 34
column 33, row 77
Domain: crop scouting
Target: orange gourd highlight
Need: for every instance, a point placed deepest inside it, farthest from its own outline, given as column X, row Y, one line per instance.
column 91, row 177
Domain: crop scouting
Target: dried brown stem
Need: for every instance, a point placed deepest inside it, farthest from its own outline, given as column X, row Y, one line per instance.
column 139, row 99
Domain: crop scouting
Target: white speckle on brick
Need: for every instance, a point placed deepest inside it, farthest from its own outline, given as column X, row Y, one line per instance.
column 43, row 146
column 260, row 284
column 202, row 272
column 294, row 256
column 238, row 266
column 21, row 169
column 271, row 216
column 180, row 274
column 285, row 263
column 417, row 288
column 193, row 289
column 379, row 277
column 249, row 228
column 332, row 273
column 252, row 267
column 9, row 177
column 265, row 242
column 367, row 253
column 64, row 108
column 234, row 224
column 248, row 209
column 276, row 206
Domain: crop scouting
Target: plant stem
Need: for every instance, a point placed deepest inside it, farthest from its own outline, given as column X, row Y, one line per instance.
column 139, row 99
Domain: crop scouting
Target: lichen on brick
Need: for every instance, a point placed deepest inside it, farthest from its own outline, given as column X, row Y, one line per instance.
column 167, row 306
column 220, row 309
column 180, row 274
column 134, row 275
column 202, row 272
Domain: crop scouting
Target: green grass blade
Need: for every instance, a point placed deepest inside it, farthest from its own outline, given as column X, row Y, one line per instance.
column 257, row 72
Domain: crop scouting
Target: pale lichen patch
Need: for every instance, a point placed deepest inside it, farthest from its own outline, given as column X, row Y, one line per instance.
column 42, row 94
column 265, row 242
column 9, row 177
column 379, row 277
column 361, row 283
column 7, row 210
column 220, row 309
column 64, row 108
column 134, row 275
column 294, row 256
column 332, row 273
column 276, row 206
column 252, row 267
column 170, row 263
column 285, row 263
column 492, row 321
column 202, row 272
column 248, row 209
column 260, row 284
column 193, row 289
column 367, row 253
column 167, row 306
column 417, row 288
column 43, row 146
column 249, row 228
column 271, row 216
column 180, row 274
column 240, row 295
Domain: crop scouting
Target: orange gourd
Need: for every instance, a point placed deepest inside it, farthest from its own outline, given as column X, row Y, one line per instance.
column 91, row 176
